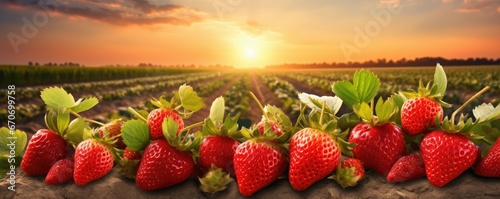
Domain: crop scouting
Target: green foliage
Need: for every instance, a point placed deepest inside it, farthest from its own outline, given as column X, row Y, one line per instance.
column 363, row 89
column 135, row 134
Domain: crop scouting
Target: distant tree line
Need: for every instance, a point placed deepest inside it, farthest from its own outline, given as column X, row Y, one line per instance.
column 422, row 61
column 54, row 64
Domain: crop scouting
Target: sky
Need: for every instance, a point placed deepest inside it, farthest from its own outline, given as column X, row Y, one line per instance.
column 244, row 33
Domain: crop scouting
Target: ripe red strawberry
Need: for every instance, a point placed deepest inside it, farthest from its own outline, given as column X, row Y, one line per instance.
column 349, row 172
column 378, row 147
column 155, row 119
column 313, row 156
column 130, row 163
column 257, row 163
column 114, row 128
column 219, row 151
column 489, row 165
column 446, row 156
column 275, row 127
column 418, row 114
column 61, row 172
column 408, row 167
column 93, row 159
column 131, row 155
column 44, row 149
column 163, row 165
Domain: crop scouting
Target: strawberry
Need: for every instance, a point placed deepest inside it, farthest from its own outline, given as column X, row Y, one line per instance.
column 313, row 155
column 155, row 119
column 94, row 158
column 257, row 163
column 349, row 172
column 113, row 128
column 423, row 107
column 378, row 147
column 130, row 163
column 44, row 149
column 61, row 172
column 418, row 114
column 275, row 127
column 131, row 155
column 489, row 165
column 219, row 151
column 162, row 166
column 408, row 167
column 446, row 156
column 379, row 143
column 182, row 105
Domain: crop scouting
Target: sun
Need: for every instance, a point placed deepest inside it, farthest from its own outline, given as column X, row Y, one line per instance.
column 250, row 53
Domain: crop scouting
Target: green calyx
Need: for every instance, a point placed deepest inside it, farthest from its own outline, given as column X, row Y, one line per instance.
column 216, row 124
column 345, row 177
column 436, row 91
column 215, row 180
column 185, row 102
column 386, row 112
column 184, row 141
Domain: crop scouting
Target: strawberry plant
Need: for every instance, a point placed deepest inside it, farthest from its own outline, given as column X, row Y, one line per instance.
column 449, row 151
column 11, row 154
column 379, row 142
column 218, row 147
column 315, row 150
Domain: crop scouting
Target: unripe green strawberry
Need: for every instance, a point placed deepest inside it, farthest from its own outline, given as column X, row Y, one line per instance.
column 155, row 119
column 349, row 172
column 418, row 114
column 313, row 156
column 257, row 163
column 44, row 149
column 93, row 159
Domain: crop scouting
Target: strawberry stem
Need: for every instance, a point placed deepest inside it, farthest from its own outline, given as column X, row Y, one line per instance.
column 135, row 113
column 258, row 103
column 467, row 102
column 86, row 119
column 321, row 115
column 187, row 128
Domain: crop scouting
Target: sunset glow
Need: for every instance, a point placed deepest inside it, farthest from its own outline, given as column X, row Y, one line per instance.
column 245, row 33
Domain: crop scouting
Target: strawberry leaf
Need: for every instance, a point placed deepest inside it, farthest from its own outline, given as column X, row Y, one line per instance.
column 486, row 113
column 440, row 81
column 56, row 97
column 363, row 89
column 217, row 110
column 85, row 104
column 75, row 131
column 62, row 119
column 12, row 138
column 51, row 120
column 348, row 121
column 135, row 134
column 315, row 102
column 189, row 99
column 367, row 85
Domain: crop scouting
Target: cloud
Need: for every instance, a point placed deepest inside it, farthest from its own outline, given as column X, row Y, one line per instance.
column 118, row 12
column 473, row 6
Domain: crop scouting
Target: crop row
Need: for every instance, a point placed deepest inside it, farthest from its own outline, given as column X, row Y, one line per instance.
column 236, row 97
column 95, row 87
column 29, row 110
column 285, row 92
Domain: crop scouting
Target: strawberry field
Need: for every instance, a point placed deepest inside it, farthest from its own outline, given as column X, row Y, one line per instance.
column 303, row 140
